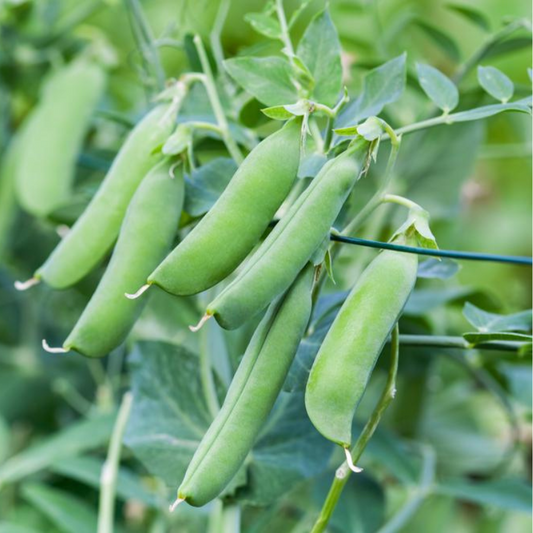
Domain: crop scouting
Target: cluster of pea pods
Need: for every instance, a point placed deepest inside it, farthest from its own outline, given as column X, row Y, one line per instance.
column 142, row 194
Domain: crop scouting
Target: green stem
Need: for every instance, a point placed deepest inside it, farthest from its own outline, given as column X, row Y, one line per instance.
column 209, row 82
column 231, row 518
column 285, row 36
column 481, row 52
column 442, row 341
column 343, row 472
column 108, row 477
column 215, row 36
column 399, row 200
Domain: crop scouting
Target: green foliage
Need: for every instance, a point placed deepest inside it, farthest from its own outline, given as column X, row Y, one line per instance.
column 449, row 453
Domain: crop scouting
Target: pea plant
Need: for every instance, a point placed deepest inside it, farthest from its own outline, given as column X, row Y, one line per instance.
column 223, row 305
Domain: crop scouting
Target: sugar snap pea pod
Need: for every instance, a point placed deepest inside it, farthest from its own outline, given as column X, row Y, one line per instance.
column 251, row 395
column 350, row 350
column 96, row 230
column 291, row 243
column 145, row 237
column 230, row 230
column 54, row 133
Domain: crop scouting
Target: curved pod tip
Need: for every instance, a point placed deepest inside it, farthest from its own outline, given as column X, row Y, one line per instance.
column 203, row 320
column 25, row 285
column 136, row 295
column 172, row 506
column 349, row 460
column 49, row 349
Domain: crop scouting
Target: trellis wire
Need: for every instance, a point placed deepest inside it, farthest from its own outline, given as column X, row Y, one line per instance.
column 453, row 254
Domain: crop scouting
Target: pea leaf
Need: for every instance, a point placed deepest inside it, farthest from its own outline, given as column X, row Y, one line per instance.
column 510, row 493
column 264, row 24
column 204, row 186
column 473, row 15
column 496, row 83
column 266, row 78
column 492, row 322
column 381, row 86
column 441, row 39
column 320, row 51
column 507, row 46
column 435, row 269
column 438, row 87
column 68, row 513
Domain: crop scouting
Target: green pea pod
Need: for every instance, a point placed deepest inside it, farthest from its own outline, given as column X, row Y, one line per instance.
column 276, row 263
column 53, row 136
column 230, row 230
column 146, row 235
column 96, row 230
column 345, row 361
column 251, row 395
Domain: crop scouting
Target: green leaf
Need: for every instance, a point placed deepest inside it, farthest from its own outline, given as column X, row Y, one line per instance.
column 492, row 322
column 320, row 51
column 310, row 164
column 438, row 87
column 264, row 24
column 519, row 382
column 478, row 337
column 68, row 513
column 88, row 470
column 11, row 527
column 381, row 86
column 74, row 440
column 513, row 494
column 266, row 78
column 496, row 83
column 473, row 15
column 441, row 39
column 371, row 129
column 206, row 184
column 435, row 269
column 286, row 112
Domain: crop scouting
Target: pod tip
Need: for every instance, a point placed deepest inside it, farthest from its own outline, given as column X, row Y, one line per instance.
column 25, row 285
column 172, row 506
column 49, row 349
column 349, row 460
column 203, row 320
column 135, row 295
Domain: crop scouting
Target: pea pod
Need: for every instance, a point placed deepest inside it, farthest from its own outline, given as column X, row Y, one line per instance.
column 345, row 361
column 276, row 263
column 146, row 235
column 54, row 133
column 230, row 230
column 96, row 230
column 251, row 395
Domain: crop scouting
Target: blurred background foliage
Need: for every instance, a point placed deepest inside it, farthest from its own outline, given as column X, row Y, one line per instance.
column 475, row 179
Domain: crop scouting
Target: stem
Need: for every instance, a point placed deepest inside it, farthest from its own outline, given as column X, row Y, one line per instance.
column 206, row 373
column 209, row 82
column 216, row 33
column 343, row 472
column 441, row 341
column 108, row 477
column 482, row 51
column 285, row 36
column 146, row 43
column 399, row 200
column 231, row 518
